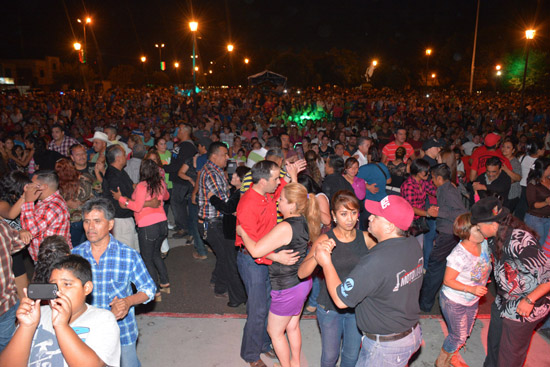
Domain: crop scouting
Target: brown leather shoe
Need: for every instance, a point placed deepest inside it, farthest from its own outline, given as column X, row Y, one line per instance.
column 258, row 363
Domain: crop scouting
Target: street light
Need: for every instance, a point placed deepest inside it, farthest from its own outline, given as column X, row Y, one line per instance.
column 374, row 62
column 246, row 61
column 143, row 59
column 529, row 35
column 194, row 26
column 77, row 46
column 88, row 20
column 428, row 54
column 160, row 46
column 176, row 64
column 230, row 47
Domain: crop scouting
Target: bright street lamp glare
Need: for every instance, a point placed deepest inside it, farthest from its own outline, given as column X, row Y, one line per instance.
column 88, row 20
column 143, row 59
column 193, row 26
column 79, row 21
column 530, row 34
column 176, row 64
column 77, row 46
column 210, row 71
column 428, row 51
column 196, row 68
column 433, row 75
column 230, row 47
column 374, row 62
column 246, row 61
column 499, row 73
column 498, row 67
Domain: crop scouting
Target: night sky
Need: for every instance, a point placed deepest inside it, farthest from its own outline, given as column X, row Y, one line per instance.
column 122, row 30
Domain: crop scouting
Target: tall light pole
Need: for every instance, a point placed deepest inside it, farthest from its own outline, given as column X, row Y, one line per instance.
column 474, row 52
column 193, row 26
column 529, row 35
column 428, row 54
column 230, row 49
column 88, row 20
column 160, row 46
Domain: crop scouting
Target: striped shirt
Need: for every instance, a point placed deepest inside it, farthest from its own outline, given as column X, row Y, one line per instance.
column 119, row 267
column 211, row 179
column 390, row 148
column 9, row 244
column 46, row 218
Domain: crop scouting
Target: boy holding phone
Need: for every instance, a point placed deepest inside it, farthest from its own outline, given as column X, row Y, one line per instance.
column 67, row 332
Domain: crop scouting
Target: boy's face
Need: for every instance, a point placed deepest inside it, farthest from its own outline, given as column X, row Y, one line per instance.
column 72, row 287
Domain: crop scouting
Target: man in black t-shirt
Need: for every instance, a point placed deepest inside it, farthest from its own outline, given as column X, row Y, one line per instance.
column 384, row 286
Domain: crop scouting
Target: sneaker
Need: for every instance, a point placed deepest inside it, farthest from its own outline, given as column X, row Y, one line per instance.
column 198, row 256
column 171, row 226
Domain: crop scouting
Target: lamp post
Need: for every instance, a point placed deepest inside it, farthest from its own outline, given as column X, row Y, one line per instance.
column 193, row 26
column 428, row 54
column 160, row 46
column 143, row 59
column 230, row 49
column 88, row 20
column 78, row 48
column 177, row 67
column 529, row 35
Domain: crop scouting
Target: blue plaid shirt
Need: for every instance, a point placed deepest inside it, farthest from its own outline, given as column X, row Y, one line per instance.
column 119, row 267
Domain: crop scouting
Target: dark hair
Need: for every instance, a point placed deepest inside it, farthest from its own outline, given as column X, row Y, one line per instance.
column 493, row 161
column 537, row 172
column 336, row 162
column 533, row 146
column 505, row 227
column 344, row 198
column 374, row 152
column 312, row 168
column 309, row 183
column 275, row 152
column 102, row 204
column 400, row 128
column 349, row 163
column 441, row 170
column 77, row 145
column 112, row 152
column 57, row 126
column 150, row 173
column 139, row 151
column 400, row 152
column 419, row 165
column 50, row 251
column 241, row 171
column 76, row 264
column 49, row 177
column 12, row 186
column 263, row 170
column 214, row 148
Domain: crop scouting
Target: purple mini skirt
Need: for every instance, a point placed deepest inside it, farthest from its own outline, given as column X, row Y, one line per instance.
column 289, row 302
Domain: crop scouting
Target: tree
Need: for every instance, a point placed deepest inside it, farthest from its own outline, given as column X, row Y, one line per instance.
column 74, row 75
column 538, row 70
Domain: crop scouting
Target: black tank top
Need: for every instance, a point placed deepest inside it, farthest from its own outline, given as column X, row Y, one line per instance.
column 344, row 257
column 286, row 276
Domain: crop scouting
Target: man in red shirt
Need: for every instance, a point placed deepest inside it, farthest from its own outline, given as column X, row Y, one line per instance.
column 481, row 154
column 388, row 152
column 257, row 215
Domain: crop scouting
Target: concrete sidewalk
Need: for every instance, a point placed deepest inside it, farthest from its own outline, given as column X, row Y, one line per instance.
column 174, row 340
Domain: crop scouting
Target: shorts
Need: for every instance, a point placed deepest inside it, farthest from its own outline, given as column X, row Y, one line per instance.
column 290, row 301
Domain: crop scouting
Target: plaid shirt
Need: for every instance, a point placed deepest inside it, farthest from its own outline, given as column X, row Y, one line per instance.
column 9, row 244
column 63, row 148
column 46, row 218
column 119, row 266
column 415, row 192
column 211, row 179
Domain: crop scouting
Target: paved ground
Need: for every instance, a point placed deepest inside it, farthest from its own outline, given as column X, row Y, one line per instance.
column 190, row 327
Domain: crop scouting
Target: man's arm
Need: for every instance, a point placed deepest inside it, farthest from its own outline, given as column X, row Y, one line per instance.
column 121, row 306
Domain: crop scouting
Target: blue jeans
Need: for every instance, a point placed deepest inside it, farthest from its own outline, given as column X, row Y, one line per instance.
column 389, row 354
column 179, row 205
column 77, row 233
column 540, row 225
column 128, row 356
column 338, row 328
column 460, row 321
column 429, row 238
column 7, row 326
column 256, row 281
column 192, row 227
column 315, row 288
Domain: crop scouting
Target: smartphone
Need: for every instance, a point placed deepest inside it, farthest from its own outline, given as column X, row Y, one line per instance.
column 231, row 167
column 42, row 291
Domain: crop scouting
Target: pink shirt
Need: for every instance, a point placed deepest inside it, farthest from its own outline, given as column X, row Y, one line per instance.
column 146, row 216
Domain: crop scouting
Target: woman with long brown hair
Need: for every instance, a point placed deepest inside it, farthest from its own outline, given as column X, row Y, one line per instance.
column 300, row 225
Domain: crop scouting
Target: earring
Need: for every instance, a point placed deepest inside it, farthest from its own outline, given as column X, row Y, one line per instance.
column 335, row 221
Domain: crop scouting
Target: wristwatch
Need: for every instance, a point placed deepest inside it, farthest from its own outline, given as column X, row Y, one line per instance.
column 528, row 300
column 127, row 202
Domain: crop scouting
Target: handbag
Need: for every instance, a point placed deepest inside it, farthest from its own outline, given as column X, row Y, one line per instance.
column 419, row 226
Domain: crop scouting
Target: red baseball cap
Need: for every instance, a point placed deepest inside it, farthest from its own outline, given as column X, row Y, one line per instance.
column 394, row 208
column 492, row 139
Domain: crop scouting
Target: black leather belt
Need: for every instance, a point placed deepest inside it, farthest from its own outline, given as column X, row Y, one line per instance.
column 213, row 220
column 390, row 337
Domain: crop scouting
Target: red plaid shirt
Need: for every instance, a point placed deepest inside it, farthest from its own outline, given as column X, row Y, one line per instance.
column 63, row 148
column 9, row 244
column 46, row 218
column 415, row 192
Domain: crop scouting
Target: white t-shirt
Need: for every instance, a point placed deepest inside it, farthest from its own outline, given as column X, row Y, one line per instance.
column 469, row 146
column 527, row 164
column 96, row 327
column 472, row 270
column 361, row 158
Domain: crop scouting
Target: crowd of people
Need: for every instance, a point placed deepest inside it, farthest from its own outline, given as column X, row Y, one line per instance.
column 361, row 206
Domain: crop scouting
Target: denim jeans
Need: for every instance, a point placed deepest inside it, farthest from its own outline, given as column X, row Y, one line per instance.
column 428, row 243
column 179, row 205
column 460, row 321
column 7, row 326
column 128, row 356
column 150, row 240
column 192, row 227
column 338, row 329
column 77, row 233
column 315, row 289
column 389, row 354
column 540, row 225
column 256, row 281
